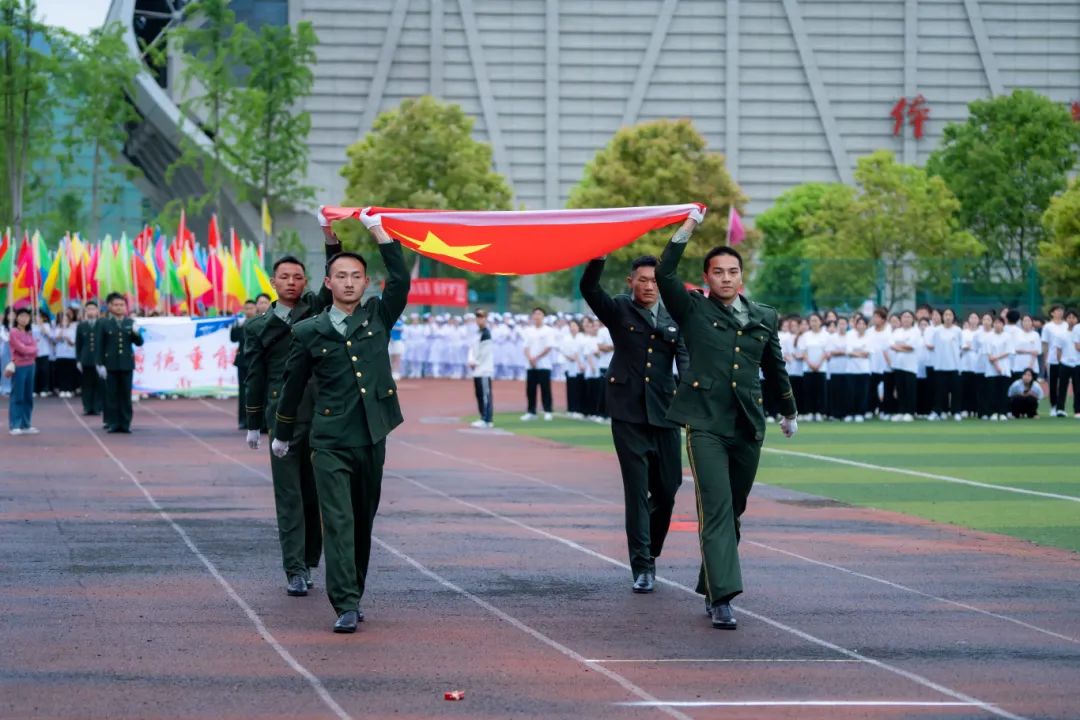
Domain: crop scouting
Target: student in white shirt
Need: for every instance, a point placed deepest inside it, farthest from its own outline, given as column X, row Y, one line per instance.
column 539, row 348
column 574, row 365
column 945, row 344
column 789, row 342
column 880, row 335
column 997, row 348
column 66, row 374
column 902, row 351
column 605, row 350
column 838, row 387
column 858, row 351
column 1052, row 331
column 43, row 366
column 1068, row 358
column 1024, row 396
column 969, row 378
column 812, row 353
column 481, row 364
column 924, row 370
column 1026, row 347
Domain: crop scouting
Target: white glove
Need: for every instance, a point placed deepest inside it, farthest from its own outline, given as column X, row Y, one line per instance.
column 253, row 439
column 370, row 220
column 102, row 372
column 280, row 448
column 789, row 426
column 697, row 214
column 78, row 366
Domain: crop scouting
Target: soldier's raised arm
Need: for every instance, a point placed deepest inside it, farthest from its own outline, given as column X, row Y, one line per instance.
column 395, row 294
column 672, row 291
column 598, row 301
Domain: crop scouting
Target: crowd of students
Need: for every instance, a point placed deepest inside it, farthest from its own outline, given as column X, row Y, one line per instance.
column 928, row 364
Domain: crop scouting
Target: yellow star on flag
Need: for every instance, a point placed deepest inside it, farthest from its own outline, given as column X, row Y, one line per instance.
column 434, row 245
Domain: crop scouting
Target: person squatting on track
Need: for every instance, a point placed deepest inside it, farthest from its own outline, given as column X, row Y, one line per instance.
column 114, row 337
column 639, row 390
column 719, row 401
column 346, row 350
column 267, row 340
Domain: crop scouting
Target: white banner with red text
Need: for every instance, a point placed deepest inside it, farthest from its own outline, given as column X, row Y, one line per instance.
column 186, row 356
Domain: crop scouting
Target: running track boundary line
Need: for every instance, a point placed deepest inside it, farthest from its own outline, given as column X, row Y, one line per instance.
column 838, row 568
column 650, row 700
column 920, row 474
column 260, row 627
column 881, row 665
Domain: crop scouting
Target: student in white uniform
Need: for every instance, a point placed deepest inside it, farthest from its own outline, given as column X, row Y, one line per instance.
column 1068, row 357
column 1024, row 396
column 858, row 371
column 788, row 338
column 924, row 371
column 590, row 355
column 944, row 343
column 481, row 363
column 997, row 347
column 1026, row 348
column 605, row 350
column 969, row 377
column 812, row 353
column 1051, row 332
column 570, row 347
column 880, row 334
column 902, row 351
column 838, row 387
column 540, row 345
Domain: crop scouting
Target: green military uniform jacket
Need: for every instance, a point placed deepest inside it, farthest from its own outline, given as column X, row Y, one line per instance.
column 265, row 348
column 725, row 357
column 114, row 340
column 355, row 397
column 86, row 344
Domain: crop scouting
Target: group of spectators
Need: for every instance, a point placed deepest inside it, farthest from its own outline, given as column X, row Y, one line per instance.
column 927, row 364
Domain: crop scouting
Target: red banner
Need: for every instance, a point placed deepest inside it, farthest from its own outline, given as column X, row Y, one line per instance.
column 452, row 292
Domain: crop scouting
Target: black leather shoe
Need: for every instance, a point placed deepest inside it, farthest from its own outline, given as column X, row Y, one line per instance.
column 722, row 619
column 346, row 622
column 643, row 583
column 297, row 587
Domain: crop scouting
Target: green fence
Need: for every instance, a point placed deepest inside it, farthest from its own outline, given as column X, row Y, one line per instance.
column 802, row 285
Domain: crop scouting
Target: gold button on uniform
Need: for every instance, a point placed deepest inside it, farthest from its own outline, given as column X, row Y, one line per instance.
column 612, row 381
column 390, row 391
column 736, row 366
column 653, row 336
column 759, row 401
column 326, row 411
column 695, row 383
column 348, row 343
column 354, row 358
column 363, row 391
column 324, row 349
column 650, row 349
column 646, row 379
column 738, row 332
column 370, row 333
column 359, row 374
column 736, row 348
column 648, row 364
column 732, row 383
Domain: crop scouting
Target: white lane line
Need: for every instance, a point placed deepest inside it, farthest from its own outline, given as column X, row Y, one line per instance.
column 647, row 700
column 838, row 568
column 914, row 677
column 798, row 703
column 724, row 660
column 918, row 473
column 610, row 674
column 905, row 588
column 214, row 407
column 503, row 471
column 260, row 627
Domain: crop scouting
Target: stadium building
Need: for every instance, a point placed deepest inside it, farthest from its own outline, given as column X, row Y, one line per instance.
column 789, row 90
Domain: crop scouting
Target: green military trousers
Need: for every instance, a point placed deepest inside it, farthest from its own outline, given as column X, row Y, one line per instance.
column 651, row 465
column 349, row 481
column 297, row 504
column 724, row 470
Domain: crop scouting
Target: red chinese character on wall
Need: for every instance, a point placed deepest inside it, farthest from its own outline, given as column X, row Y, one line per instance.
column 196, row 356
column 915, row 111
column 222, row 356
column 139, row 357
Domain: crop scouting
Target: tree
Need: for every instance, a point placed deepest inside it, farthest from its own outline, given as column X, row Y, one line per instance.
column 1004, row 164
column 209, row 40
column 1059, row 252
column 267, row 135
column 780, row 273
column 664, row 162
column 899, row 217
column 102, row 78
column 422, row 155
column 29, row 56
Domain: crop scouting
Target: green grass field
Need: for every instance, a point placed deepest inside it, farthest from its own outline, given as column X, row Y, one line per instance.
column 1040, row 455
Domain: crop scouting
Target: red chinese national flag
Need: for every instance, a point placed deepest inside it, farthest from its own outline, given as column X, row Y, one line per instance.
column 517, row 243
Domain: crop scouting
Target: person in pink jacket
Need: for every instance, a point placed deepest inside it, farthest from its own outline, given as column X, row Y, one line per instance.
column 24, row 355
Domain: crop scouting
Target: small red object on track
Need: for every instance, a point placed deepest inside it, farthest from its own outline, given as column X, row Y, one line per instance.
column 454, row 695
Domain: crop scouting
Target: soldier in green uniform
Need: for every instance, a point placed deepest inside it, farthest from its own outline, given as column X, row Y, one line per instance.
column 266, row 348
column 114, row 337
column 640, row 388
column 86, row 356
column 730, row 339
column 236, row 334
column 346, row 350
